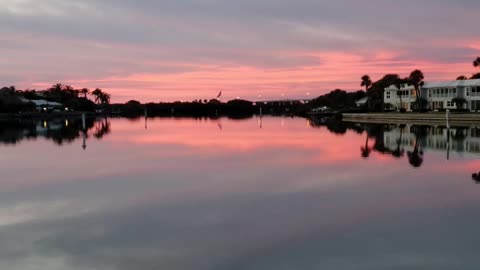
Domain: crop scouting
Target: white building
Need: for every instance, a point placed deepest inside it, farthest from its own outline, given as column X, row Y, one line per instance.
column 404, row 97
column 438, row 94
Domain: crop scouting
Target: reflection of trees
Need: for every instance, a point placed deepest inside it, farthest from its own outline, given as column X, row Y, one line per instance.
column 415, row 157
column 334, row 125
column 60, row 131
column 376, row 131
column 11, row 132
column 102, row 128
column 366, row 150
column 68, row 132
column 476, row 177
column 399, row 152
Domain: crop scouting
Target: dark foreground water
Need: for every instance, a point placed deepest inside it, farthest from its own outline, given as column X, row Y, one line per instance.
column 276, row 193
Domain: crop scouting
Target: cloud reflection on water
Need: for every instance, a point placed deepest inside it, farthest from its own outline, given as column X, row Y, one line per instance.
column 186, row 195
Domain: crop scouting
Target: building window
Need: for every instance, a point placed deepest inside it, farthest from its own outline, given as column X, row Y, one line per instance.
column 388, row 95
column 468, row 91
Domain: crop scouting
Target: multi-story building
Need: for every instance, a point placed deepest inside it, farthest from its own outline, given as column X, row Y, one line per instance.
column 403, row 98
column 439, row 95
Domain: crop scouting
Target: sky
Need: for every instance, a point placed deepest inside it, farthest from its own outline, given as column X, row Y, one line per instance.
column 168, row 50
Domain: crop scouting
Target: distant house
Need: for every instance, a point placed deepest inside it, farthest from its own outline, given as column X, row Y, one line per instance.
column 362, row 102
column 44, row 105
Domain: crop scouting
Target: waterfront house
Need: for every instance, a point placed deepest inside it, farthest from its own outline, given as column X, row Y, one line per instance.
column 439, row 95
column 403, row 98
column 44, row 105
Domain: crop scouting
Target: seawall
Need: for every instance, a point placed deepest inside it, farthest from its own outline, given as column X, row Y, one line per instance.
column 413, row 118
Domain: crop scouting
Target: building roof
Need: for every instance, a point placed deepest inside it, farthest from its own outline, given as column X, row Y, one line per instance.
column 24, row 100
column 447, row 84
column 444, row 84
column 42, row 102
column 405, row 87
column 362, row 100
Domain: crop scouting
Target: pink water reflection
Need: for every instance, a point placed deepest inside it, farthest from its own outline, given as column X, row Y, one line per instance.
column 193, row 194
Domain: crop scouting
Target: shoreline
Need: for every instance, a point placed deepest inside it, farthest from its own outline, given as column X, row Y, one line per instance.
column 14, row 116
column 413, row 118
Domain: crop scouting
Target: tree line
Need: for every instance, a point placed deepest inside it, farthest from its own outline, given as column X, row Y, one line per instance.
column 67, row 95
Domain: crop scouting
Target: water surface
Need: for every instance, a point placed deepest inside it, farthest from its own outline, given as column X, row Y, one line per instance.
column 272, row 193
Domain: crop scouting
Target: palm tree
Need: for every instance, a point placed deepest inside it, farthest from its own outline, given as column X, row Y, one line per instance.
column 366, row 82
column 476, row 62
column 416, row 79
column 84, row 92
column 97, row 93
column 462, row 78
column 399, row 83
column 57, row 87
column 105, row 98
column 70, row 91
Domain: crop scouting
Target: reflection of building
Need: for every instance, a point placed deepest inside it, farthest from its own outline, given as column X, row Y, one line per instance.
column 43, row 127
column 461, row 140
column 438, row 94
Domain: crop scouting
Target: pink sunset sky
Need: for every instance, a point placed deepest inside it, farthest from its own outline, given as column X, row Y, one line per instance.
column 168, row 50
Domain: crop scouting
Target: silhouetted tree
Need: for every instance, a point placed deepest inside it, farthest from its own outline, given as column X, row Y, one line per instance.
column 476, row 62
column 105, row 98
column 475, row 76
column 97, row 93
column 84, row 92
column 416, row 79
column 462, row 78
column 337, row 99
column 376, row 92
column 366, row 82
column 56, row 88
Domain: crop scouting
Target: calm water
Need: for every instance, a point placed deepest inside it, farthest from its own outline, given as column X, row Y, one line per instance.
column 280, row 193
